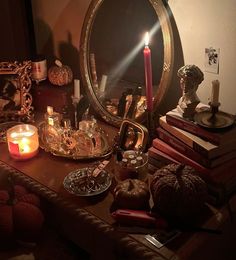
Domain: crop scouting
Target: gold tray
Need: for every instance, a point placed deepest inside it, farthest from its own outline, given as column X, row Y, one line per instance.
column 105, row 151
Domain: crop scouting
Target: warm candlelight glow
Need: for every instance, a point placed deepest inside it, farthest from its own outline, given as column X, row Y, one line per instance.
column 22, row 141
column 146, row 39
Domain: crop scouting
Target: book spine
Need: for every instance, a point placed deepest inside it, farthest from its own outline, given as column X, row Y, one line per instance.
column 192, row 128
column 170, row 151
column 183, row 148
column 187, row 140
column 160, row 157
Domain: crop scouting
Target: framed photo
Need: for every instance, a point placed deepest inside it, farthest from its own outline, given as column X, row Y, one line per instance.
column 15, row 98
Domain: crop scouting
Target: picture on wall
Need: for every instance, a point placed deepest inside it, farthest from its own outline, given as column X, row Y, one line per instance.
column 212, row 60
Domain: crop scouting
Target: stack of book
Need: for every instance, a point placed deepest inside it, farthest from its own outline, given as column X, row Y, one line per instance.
column 211, row 153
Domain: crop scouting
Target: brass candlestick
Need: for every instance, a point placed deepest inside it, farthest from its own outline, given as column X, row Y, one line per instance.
column 150, row 127
column 213, row 118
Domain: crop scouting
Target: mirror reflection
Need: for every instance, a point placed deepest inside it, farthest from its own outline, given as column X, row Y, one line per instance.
column 116, row 59
column 112, row 57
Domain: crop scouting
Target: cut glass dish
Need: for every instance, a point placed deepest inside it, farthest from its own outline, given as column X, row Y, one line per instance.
column 81, row 182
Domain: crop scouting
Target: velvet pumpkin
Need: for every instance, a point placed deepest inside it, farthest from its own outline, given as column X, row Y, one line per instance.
column 178, row 192
column 132, row 194
column 20, row 215
column 59, row 74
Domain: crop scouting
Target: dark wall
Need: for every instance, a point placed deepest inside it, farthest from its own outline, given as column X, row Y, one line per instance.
column 17, row 35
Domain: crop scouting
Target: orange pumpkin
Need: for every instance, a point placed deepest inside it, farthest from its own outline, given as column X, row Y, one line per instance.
column 59, row 74
column 132, row 194
column 20, row 215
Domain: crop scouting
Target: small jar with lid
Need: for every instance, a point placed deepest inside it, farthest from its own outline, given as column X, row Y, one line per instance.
column 132, row 166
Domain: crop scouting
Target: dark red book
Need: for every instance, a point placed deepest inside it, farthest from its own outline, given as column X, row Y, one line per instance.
column 206, row 173
column 216, row 137
column 158, row 158
column 191, row 153
column 198, row 144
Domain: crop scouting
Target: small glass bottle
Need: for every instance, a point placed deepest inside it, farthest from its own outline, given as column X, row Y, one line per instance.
column 68, row 140
column 52, row 117
column 53, row 130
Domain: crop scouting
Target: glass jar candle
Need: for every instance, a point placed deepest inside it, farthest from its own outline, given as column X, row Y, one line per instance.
column 22, row 141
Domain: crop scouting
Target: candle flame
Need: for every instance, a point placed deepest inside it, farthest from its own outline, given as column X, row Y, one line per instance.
column 146, row 38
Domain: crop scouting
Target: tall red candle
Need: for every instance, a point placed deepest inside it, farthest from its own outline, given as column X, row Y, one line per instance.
column 148, row 73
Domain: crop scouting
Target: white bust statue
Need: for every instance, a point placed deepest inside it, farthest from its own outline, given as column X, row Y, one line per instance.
column 190, row 78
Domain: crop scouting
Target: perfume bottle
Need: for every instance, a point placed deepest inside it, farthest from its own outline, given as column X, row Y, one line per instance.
column 84, row 144
column 53, row 130
column 52, row 117
column 89, row 126
column 68, row 138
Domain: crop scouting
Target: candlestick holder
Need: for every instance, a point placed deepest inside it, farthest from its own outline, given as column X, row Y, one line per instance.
column 213, row 118
column 150, row 126
column 75, row 102
column 214, row 108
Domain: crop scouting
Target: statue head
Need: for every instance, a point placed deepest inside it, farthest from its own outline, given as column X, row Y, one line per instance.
column 190, row 77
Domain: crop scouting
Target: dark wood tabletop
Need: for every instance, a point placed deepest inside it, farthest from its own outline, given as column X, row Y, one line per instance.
column 88, row 221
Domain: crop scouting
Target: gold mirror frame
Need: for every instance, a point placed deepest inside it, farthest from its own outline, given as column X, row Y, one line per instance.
column 20, row 72
column 167, row 71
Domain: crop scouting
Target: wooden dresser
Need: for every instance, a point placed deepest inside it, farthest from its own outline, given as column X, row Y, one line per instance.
column 87, row 221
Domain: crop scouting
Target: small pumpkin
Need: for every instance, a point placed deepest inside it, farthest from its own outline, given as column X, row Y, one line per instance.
column 178, row 192
column 20, row 214
column 132, row 194
column 60, row 74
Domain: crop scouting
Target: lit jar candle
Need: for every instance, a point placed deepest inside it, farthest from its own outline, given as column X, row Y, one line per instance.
column 22, row 141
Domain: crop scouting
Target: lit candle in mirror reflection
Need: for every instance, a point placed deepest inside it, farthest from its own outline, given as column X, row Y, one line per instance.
column 148, row 73
column 103, row 83
column 76, row 88
column 22, row 141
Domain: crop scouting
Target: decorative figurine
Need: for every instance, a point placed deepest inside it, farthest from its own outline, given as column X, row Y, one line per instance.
column 190, row 78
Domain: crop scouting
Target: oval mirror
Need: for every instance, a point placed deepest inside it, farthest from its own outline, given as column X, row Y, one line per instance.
column 111, row 56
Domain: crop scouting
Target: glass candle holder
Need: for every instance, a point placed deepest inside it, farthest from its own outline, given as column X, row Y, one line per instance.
column 22, row 141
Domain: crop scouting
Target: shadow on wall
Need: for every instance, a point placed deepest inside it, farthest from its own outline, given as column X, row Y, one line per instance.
column 44, row 41
column 69, row 55
column 174, row 92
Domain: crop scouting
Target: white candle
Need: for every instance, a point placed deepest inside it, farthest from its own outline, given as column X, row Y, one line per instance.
column 103, row 83
column 76, row 88
column 215, row 92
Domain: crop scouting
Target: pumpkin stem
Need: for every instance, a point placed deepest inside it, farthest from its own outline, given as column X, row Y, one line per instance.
column 131, row 185
column 179, row 169
column 58, row 63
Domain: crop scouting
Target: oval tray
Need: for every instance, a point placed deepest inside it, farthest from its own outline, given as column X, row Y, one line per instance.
column 105, row 151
